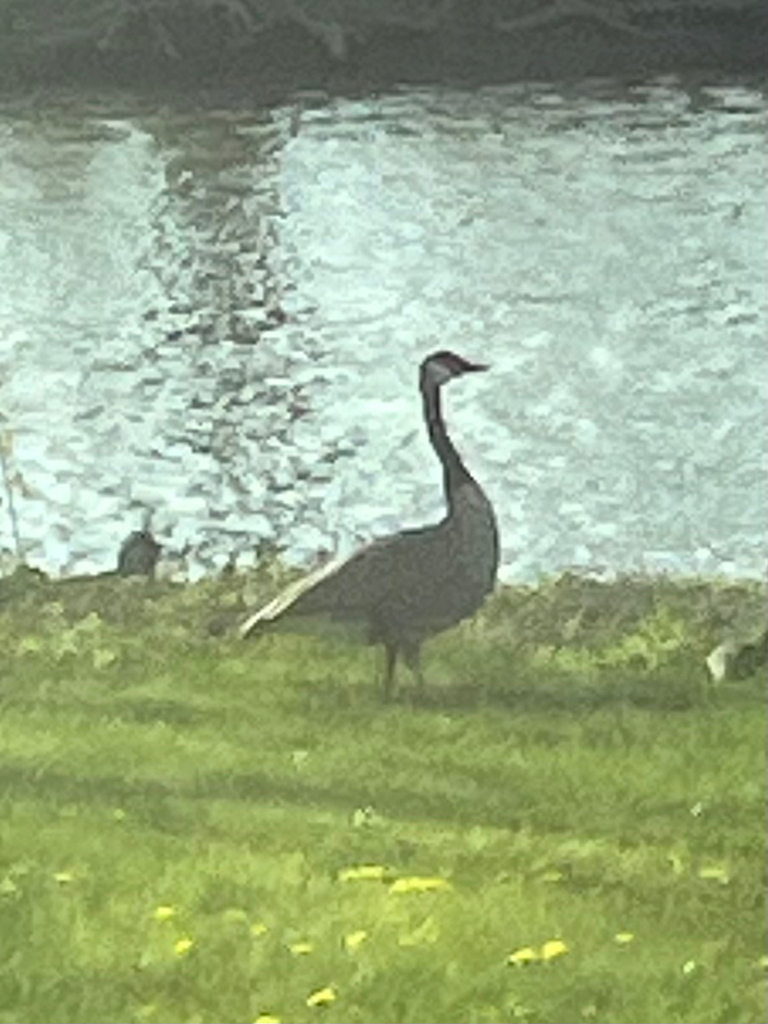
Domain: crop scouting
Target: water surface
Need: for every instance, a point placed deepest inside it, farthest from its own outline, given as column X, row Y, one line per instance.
column 220, row 314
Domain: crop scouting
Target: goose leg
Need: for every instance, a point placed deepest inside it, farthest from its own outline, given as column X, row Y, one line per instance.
column 389, row 670
column 411, row 658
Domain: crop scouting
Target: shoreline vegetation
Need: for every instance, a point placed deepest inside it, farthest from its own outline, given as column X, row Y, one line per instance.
column 278, row 46
column 567, row 825
column 632, row 625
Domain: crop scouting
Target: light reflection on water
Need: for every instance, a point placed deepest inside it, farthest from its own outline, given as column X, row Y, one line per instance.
column 220, row 315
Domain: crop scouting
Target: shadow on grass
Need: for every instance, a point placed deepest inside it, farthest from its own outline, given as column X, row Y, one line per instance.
column 75, row 994
column 145, row 710
column 152, row 799
column 678, row 688
column 575, row 698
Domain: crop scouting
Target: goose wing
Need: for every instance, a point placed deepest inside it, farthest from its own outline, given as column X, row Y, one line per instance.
column 410, row 569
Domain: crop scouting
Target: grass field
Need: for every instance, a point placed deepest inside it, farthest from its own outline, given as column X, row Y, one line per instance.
column 568, row 825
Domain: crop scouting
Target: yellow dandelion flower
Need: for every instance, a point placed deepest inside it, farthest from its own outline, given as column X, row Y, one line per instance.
column 521, row 957
column 763, row 961
column 258, row 928
column 182, row 946
column 715, row 874
column 321, row 997
column 63, row 877
column 623, row 938
column 415, row 883
column 164, row 912
column 363, row 873
column 553, row 948
column 300, row 948
column 267, row 1018
column 688, row 967
column 354, row 940
column 118, row 814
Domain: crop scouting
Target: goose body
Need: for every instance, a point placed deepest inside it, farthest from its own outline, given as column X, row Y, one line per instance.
column 401, row 589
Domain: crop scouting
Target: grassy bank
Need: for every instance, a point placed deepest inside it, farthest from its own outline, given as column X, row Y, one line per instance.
column 181, row 811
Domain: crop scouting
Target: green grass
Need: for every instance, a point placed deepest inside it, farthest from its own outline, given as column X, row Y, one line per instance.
column 569, row 772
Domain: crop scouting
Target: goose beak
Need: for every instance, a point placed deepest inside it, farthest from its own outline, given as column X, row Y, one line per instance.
column 475, row 367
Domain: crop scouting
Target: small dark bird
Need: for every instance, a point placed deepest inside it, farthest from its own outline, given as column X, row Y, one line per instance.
column 751, row 657
column 731, row 660
column 139, row 552
column 402, row 589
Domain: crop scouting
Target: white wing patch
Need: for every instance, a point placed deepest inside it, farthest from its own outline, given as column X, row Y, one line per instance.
column 284, row 600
